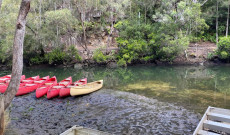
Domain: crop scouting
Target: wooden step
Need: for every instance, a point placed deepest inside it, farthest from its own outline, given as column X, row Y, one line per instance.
column 203, row 132
column 216, row 126
column 220, row 111
column 218, row 117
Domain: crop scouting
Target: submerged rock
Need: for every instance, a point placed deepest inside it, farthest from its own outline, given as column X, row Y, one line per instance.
column 78, row 66
column 112, row 65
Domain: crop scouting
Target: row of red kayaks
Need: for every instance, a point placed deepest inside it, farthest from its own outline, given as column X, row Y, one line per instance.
column 43, row 86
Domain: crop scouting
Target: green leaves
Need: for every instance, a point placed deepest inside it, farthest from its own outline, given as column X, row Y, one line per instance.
column 224, row 48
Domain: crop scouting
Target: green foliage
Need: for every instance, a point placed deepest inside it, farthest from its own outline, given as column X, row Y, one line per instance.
column 224, row 55
column 121, row 63
column 132, row 49
column 99, row 57
column 72, row 53
column 57, row 56
column 224, row 48
column 210, row 56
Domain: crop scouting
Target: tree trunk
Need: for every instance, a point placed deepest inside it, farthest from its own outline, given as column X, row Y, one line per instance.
column 145, row 14
column 227, row 22
column 2, row 125
column 40, row 13
column 17, row 53
column 111, row 31
column 109, row 37
column 217, row 21
column 83, row 28
column 130, row 9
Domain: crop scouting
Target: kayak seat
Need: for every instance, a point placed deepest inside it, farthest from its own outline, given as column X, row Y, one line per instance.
column 38, row 81
column 29, row 84
column 64, row 83
column 26, row 80
column 48, row 83
column 58, row 86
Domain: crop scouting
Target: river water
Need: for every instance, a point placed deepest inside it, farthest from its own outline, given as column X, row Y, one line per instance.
column 190, row 88
column 193, row 87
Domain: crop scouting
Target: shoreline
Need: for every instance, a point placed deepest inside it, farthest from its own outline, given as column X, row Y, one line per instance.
column 128, row 113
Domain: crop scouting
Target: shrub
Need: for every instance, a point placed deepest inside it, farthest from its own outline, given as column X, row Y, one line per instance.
column 121, row 63
column 223, row 55
column 36, row 60
column 55, row 57
column 99, row 57
column 210, row 56
column 224, row 48
column 73, row 54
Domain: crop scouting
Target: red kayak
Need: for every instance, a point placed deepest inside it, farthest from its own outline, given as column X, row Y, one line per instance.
column 66, row 91
column 45, row 87
column 54, row 91
column 5, row 78
column 29, row 80
column 3, row 86
column 30, row 86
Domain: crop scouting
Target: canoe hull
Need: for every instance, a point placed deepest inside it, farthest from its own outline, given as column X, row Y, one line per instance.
column 86, row 89
column 54, row 92
column 44, row 88
column 26, row 90
column 64, row 92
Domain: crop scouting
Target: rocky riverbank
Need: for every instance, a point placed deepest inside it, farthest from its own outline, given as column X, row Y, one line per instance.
column 106, row 110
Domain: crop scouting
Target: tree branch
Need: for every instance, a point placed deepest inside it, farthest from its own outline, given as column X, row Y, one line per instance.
column 31, row 29
column 204, row 3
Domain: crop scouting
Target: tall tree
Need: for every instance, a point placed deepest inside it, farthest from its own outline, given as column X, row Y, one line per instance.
column 84, row 7
column 217, row 15
column 17, row 61
column 227, row 24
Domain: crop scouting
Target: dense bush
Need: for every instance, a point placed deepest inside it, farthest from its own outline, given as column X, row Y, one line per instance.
column 57, row 56
column 121, row 63
column 72, row 54
column 138, row 41
column 224, row 48
column 99, row 57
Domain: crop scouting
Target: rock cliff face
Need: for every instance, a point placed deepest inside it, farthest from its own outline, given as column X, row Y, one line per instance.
column 196, row 53
column 94, row 41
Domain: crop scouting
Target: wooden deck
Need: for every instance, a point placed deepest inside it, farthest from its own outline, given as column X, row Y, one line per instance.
column 216, row 121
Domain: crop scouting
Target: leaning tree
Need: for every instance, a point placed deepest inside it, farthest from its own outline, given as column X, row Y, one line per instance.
column 17, row 65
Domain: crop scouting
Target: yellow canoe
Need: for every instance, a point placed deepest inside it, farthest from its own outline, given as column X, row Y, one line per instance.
column 86, row 89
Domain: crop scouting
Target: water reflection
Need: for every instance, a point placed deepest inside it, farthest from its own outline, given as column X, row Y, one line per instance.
column 195, row 88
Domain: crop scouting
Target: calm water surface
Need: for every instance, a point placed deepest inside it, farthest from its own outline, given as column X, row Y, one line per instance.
column 195, row 88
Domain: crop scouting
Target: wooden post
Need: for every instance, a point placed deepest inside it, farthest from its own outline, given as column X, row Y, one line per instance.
column 2, row 125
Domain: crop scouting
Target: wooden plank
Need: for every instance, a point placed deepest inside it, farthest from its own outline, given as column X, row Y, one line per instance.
column 220, row 111
column 200, row 125
column 218, row 117
column 216, row 126
column 203, row 132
